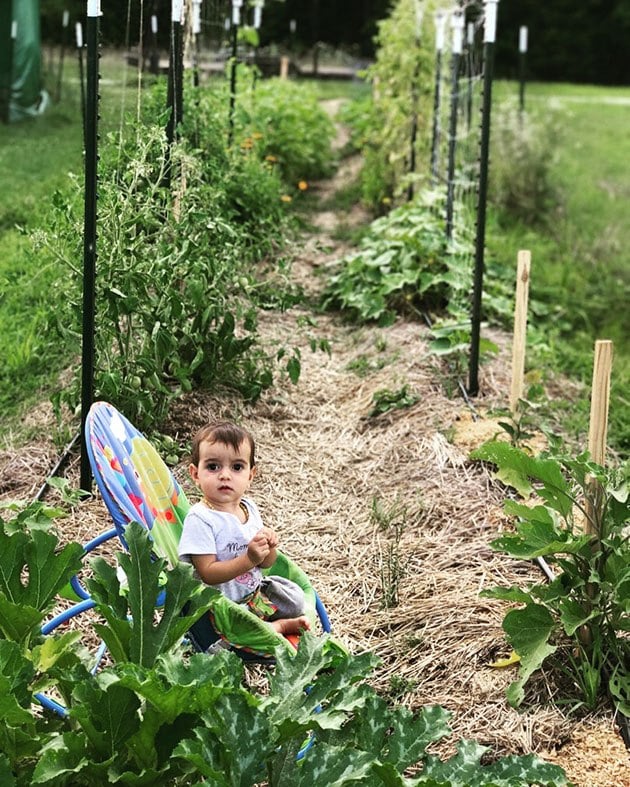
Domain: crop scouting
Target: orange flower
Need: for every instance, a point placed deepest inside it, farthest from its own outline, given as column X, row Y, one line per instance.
column 302, row 185
column 286, row 198
column 246, row 144
column 271, row 158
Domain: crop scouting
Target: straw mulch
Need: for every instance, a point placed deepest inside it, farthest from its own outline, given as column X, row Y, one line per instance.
column 392, row 522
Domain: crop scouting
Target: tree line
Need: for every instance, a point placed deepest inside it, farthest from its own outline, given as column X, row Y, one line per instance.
column 568, row 41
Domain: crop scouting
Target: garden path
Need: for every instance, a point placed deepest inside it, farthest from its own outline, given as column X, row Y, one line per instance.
column 385, row 512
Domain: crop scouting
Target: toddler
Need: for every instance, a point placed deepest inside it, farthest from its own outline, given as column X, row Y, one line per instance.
column 224, row 537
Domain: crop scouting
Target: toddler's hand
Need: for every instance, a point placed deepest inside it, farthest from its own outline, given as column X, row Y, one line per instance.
column 258, row 548
column 271, row 536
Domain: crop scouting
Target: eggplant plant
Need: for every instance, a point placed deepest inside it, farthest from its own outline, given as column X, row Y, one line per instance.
column 578, row 523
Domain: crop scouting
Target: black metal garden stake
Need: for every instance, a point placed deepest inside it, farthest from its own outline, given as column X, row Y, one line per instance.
column 414, row 100
column 522, row 58
column 64, row 28
column 490, row 24
column 236, row 21
column 457, row 23
column 175, row 87
column 78, row 28
column 440, row 22
column 89, row 229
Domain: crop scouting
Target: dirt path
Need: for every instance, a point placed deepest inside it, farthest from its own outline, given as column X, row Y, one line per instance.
column 393, row 522
column 389, row 517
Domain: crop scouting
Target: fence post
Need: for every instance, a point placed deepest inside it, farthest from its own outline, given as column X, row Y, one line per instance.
column 414, row 99
column 89, row 230
column 470, row 47
column 175, row 72
column 64, row 27
column 457, row 24
column 440, row 23
column 598, row 427
column 520, row 329
column 489, row 35
column 236, row 21
column 522, row 58
column 78, row 29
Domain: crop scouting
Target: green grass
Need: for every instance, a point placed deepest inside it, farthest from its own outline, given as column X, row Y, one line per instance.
column 35, row 159
column 581, row 261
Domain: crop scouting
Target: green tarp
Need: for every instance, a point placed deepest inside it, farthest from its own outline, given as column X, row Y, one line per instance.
column 21, row 93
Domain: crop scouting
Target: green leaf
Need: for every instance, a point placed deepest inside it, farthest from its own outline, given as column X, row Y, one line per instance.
column 33, row 570
column 573, row 615
column 142, row 637
column 517, row 469
column 107, row 714
column 528, row 631
column 18, row 621
column 333, row 766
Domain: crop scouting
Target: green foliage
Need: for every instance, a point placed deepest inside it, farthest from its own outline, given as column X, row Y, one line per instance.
column 130, row 632
column 159, row 715
column 175, row 308
column 402, row 82
column 283, row 122
column 524, row 157
column 403, row 266
column 587, row 604
column 386, row 400
column 451, row 341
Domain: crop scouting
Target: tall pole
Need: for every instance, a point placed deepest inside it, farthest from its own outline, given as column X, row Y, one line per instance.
column 522, row 58
column 196, row 31
column 175, row 75
column 414, row 99
column 457, row 24
column 440, row 23
column 154, row 57
column 236, row 21
column 6, row 98
column 64, row 28
column 258, row 9
column 78, row 29
column 470, row 46
column 89, row 229
column 489, row 37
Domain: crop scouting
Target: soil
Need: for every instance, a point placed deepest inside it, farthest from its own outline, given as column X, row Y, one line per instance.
column 386, row 513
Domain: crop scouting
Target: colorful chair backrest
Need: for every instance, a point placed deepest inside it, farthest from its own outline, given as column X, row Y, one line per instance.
column 135, row 483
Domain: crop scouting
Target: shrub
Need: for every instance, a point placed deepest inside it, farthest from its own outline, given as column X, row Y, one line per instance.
column 524, row 154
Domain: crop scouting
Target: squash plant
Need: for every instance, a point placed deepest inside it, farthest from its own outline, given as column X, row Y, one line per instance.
column 580, row 621
column 161, row 715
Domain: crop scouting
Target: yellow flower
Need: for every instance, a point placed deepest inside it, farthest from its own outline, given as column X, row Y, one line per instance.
column 246, row 144
column 257, row 135
column 271, row 158
column 286, row 198
column 386, row 200
column 302, row 185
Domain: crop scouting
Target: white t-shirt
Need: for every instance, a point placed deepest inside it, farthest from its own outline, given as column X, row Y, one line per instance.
column 210, row 532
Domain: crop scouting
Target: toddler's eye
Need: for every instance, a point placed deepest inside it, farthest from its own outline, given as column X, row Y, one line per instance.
column 212, row 467
column 238, row 466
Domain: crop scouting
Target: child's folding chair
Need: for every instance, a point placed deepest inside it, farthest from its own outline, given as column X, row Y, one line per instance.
column 136, row 485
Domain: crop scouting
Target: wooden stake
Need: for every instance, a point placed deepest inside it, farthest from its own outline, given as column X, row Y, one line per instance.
column 520, row 328
column 284, row 67
column 598, row 426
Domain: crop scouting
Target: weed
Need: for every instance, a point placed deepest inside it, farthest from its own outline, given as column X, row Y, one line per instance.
column 386, row 400
column 391, row 521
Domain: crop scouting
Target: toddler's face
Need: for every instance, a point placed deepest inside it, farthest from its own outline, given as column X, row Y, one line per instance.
column 223, row 474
